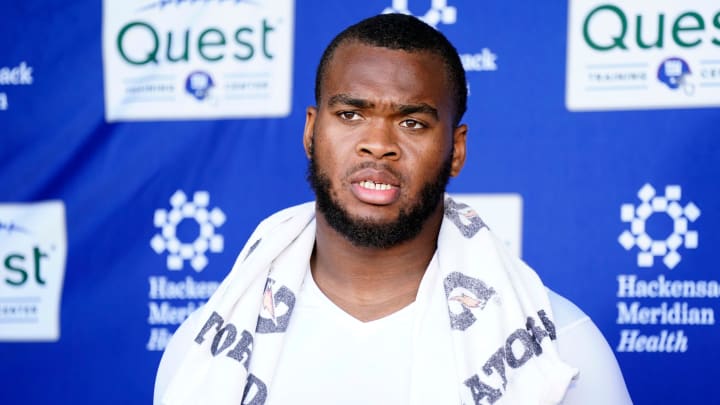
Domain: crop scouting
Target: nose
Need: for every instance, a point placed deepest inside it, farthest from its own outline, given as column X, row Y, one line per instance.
column 379, row 142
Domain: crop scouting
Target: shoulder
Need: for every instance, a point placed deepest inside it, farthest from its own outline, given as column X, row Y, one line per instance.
column 566, row 313
column 272, row 223
column 286, row 214
column 183, row 338
column 582, row 345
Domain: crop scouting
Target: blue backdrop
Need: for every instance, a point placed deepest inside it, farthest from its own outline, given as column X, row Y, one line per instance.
column 138, row 191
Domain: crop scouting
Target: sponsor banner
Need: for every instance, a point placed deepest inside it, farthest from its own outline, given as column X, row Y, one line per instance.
column 643, row 54
column 187, row 235
column 173, row 59
column 657, row 312
column 502, row 213
column 33, row 249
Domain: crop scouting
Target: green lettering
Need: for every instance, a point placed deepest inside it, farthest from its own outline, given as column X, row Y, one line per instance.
column 185, row 47
column 266, row 29
column 219, row 40
column 659, row 41
column 698, row 26
column 616, row 42
column 248, row 45
column 38, row 255
column 9, row 265
column 716, row 23
column 151, row 56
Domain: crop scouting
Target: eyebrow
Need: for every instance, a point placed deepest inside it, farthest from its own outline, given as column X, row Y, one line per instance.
column 345, row 99
column 403, row 109
column 422, row 108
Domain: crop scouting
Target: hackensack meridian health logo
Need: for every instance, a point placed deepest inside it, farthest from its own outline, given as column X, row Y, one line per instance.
column 658, row 313
column 661, row 246
column 194, row 251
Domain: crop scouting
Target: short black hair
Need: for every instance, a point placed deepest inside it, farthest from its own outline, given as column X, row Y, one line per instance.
column 406, row 33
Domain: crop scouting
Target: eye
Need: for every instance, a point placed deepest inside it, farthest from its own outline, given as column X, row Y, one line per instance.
column 412, row 124
column 349, row 115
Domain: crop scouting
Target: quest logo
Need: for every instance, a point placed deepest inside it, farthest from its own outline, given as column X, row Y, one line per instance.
column 175, row 59
column 642, row 54
column 33, row 249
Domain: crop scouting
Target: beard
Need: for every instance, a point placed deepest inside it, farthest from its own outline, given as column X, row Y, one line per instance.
column 365, row 232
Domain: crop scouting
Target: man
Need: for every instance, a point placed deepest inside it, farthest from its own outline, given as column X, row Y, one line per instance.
column 385, row 291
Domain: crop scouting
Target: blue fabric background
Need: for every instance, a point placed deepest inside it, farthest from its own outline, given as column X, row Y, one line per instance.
column 573, row 170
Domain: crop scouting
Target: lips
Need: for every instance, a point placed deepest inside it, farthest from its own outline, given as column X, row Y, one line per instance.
column 373, row 186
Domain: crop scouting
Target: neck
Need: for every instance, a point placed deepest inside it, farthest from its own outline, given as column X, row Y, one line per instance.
column 371, row 283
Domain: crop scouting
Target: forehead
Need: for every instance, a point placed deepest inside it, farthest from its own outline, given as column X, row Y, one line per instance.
column 386, row 74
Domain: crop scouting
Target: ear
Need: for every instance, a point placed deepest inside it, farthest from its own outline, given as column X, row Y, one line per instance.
column 310, row 116
column 459, row 148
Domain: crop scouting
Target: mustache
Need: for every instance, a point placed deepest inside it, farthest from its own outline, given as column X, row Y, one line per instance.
column 376, row 166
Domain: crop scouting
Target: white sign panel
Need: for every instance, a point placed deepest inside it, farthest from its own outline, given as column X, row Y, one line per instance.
column 33, row 248
column 643, row 54
column 502, row 213
column 173, row 59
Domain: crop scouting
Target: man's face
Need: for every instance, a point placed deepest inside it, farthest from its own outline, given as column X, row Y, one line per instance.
column 381, row 143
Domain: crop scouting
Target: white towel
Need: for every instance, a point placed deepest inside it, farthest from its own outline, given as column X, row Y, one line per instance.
column 498, row 314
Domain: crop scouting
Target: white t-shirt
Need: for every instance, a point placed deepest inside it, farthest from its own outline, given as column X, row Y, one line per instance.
column 330, row 357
